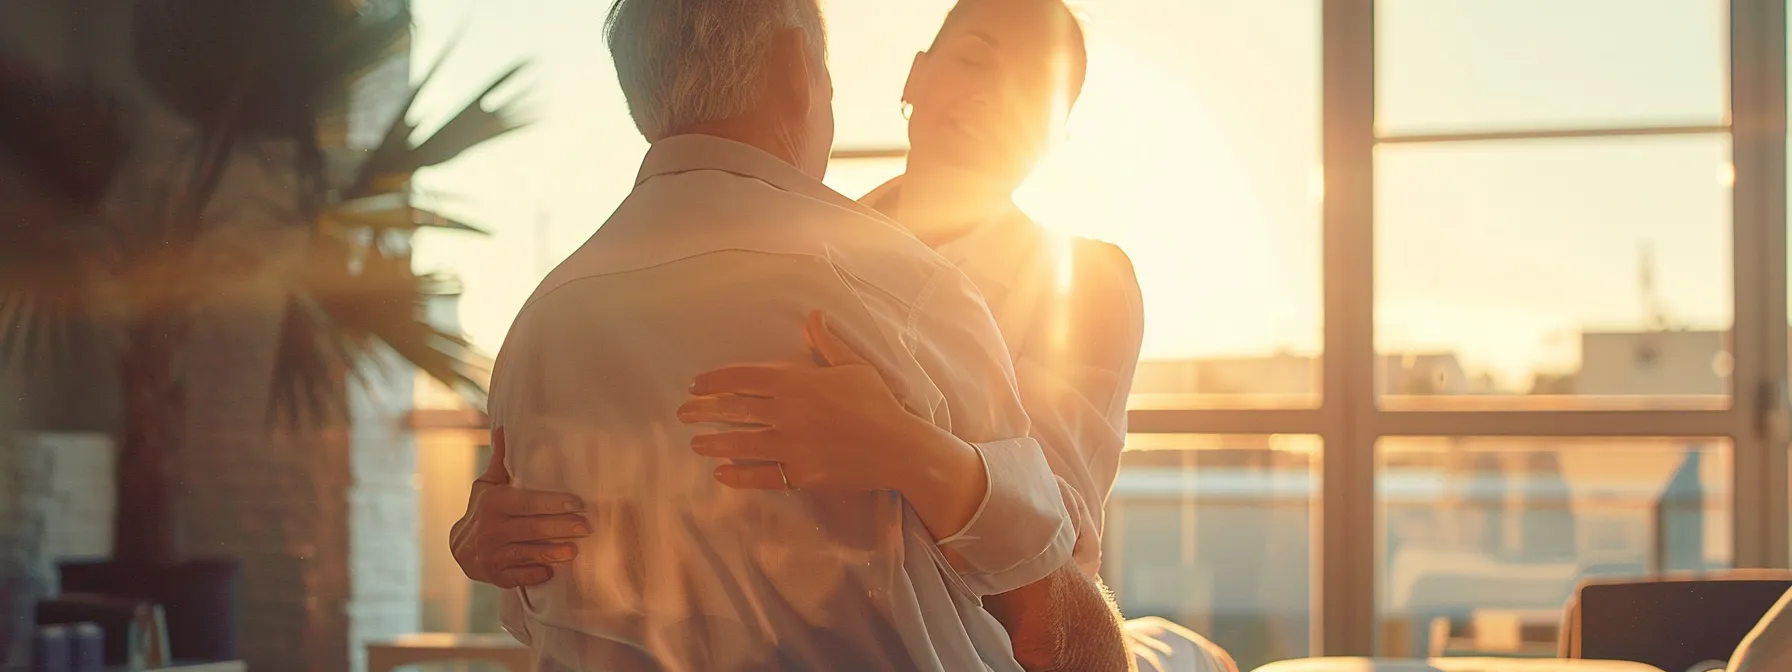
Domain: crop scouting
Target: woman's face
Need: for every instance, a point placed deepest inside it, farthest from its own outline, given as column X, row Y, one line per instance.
column 988, row 97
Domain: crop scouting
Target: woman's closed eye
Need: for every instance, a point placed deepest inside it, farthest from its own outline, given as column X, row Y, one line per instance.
column 976, row 62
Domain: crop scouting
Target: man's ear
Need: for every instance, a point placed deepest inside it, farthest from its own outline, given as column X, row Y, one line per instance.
column 917, row 74
column 787, row 74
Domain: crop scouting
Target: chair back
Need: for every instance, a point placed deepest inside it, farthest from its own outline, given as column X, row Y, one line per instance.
column 1671, row 622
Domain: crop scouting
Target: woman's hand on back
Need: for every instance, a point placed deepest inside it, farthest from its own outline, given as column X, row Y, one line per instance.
column 832, row 424
column 510, row 536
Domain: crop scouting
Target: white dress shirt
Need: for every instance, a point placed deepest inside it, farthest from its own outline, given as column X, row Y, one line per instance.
column 716, row 258
column 1072, row 316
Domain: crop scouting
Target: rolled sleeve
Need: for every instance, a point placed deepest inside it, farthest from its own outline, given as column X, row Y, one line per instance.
column 1021, row 532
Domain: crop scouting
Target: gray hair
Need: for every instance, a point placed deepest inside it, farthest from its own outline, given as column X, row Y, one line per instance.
column 685, row 62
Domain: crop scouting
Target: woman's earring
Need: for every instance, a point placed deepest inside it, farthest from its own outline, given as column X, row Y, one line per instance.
column 908, row 110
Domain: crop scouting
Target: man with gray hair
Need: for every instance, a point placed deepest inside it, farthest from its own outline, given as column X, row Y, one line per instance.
column 904, row 492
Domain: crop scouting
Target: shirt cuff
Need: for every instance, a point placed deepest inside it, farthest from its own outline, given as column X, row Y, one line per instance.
column 1087, row 550
column 1021, row 532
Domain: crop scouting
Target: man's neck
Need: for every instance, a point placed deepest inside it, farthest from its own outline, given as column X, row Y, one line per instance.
column 756, row 134
column 940, row 206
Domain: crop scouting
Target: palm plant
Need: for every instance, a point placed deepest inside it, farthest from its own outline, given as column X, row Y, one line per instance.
column 251, row 81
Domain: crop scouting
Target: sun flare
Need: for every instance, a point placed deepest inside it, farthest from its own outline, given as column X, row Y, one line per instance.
column 1145, row 167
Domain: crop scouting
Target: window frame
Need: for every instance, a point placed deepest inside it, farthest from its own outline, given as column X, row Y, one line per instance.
column 1351, row 418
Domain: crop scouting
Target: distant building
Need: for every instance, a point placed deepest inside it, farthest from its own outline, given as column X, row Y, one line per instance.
column 1281, row 373
column 1423, row 373
column 1412, row 373
column 1681, row 362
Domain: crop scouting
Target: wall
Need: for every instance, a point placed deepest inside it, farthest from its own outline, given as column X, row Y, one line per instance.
column 385, row 562
column 80, row 501
column 55, row 502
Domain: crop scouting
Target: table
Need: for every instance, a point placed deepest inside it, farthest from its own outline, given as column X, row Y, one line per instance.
column 1454, row 665
column 384, row 655
column 1531, row 633
column 178, row 666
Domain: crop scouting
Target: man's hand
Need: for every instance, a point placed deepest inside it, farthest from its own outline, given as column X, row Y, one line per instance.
column 512, row 537
column 834, row 425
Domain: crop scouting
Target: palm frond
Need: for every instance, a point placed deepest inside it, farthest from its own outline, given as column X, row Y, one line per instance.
column 391, row 211
column 391, row 165
column 356, row 300
column 472, row 125
column 343, row 313
column 44, row 342
column 373, row 174
column 431, row 219
column 309, row 366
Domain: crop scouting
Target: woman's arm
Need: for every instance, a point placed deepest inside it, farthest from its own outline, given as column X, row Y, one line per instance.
column 836, row 424
column 1073, row 374
column 1075, row 370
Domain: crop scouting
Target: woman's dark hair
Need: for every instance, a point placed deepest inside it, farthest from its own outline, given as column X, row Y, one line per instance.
column 1072, row 41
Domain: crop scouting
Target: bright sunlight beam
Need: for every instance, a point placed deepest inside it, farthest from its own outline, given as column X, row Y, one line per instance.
column 1144, row 168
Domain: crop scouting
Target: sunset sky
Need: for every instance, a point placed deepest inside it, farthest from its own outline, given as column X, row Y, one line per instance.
column 1196, row 148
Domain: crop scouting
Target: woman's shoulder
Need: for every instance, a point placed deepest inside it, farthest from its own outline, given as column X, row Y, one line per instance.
column 1100, row 301
column 1101, row 289
column 1098, row 264
column 1104, row 264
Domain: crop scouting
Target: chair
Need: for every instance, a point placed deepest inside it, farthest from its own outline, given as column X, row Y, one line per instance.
column 431, row 647
column 1672, row 622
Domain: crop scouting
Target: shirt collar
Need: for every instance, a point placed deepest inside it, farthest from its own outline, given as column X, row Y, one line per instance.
column 686, row 153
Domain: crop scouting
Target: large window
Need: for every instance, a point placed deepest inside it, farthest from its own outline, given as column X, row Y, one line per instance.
column 1553, row 320
column 1564, row 216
